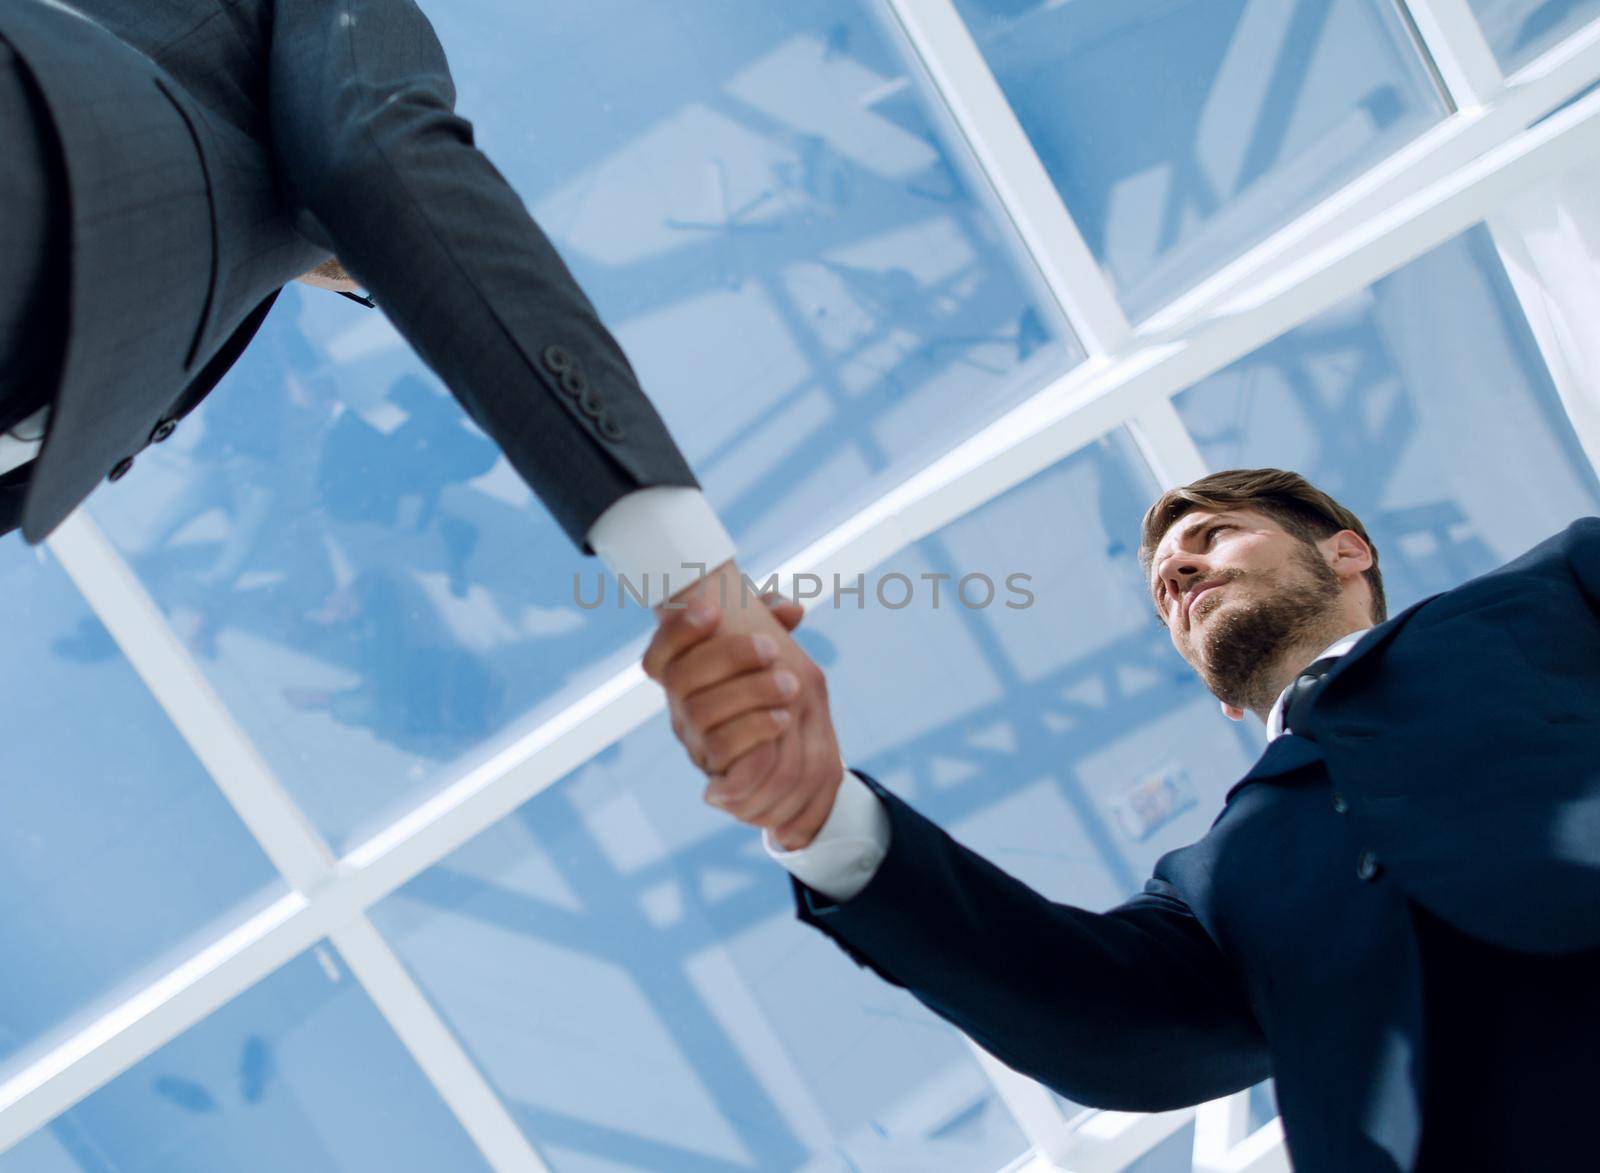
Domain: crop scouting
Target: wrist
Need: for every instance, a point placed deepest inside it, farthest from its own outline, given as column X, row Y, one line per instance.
column 801, row 832
column 724, row 587
column 705, row 585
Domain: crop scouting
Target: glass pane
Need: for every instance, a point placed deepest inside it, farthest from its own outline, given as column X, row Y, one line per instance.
column 626, row 969
column 1180, row 133
column 1520, row 30
column 1175, row 1154
column 118, row 854
column 624, row 962
column 756, row 198
column 1263, row 1104
column 298, row 1073
column 1423, row 405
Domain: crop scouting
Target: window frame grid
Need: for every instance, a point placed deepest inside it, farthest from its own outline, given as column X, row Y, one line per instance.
column 118, row 1041
column 943, row 50
column 1452, row 35
column 1470, row 133
column 1469, row 169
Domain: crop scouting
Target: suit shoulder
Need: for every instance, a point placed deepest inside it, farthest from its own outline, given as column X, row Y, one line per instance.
column 1584, row 531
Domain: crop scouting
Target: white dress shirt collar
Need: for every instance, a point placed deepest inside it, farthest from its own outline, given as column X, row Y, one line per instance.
column 1337, row 648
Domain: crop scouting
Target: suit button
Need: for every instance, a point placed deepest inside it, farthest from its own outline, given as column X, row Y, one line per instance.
column 557, row 359
column 1340, row 804
column 162, row 430
column 574, row 382
column 121, row 469
column 589, row 401
column 1368, row 867
column 609, row 428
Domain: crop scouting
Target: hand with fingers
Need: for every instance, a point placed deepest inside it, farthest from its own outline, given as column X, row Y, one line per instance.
column 751, row 709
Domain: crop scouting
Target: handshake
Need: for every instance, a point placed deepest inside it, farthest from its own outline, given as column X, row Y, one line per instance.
column 748, row 705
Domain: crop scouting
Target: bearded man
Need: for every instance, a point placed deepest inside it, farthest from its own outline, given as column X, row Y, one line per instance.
column 1396, row 914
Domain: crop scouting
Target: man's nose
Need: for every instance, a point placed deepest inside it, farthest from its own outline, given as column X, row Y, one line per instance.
column 1180, row 571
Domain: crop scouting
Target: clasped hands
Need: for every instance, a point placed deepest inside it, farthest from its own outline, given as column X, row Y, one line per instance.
column 749, row 706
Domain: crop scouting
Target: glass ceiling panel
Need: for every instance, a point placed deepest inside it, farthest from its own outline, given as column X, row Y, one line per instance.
column 623, row 965
column 1423, row 405
column 1520, row 30
column 300, row 1073
column 624, row 962
column 118, row 854
column 1181, row 133
column 1175, row 1154
column 756, row 198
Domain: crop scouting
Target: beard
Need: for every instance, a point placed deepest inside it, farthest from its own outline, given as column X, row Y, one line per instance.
column 1244, row 647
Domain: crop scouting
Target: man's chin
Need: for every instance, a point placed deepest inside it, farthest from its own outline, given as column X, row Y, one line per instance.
column 1206, row 610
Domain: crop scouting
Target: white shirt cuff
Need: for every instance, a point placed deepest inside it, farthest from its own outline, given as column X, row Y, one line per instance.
column 845, row 854
column 665, row 530
column 21, row 444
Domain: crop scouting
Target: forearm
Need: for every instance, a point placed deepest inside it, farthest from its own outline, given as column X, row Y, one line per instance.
column 381, row 171
column 1133, row 1009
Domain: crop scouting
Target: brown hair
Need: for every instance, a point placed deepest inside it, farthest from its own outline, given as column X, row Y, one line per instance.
column 1301, row 508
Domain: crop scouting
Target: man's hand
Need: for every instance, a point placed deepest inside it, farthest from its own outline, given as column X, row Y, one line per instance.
column 331, row 275
column 749, row 705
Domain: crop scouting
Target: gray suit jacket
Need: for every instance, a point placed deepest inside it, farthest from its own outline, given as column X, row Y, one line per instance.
column 217, row 149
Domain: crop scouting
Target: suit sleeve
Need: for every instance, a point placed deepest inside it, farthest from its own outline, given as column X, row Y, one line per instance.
column 1135, row 1009
column 379, row 169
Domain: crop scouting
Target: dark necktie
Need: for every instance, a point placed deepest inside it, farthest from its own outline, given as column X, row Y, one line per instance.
column 1297, row 697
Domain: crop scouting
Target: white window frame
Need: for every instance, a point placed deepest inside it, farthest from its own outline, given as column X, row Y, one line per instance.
column 1479, row 164
column 118, row 1040
column 1537, row 233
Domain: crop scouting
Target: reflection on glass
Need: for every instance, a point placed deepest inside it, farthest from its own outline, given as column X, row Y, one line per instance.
column 1180, row 133
column 1421, row 403
column 1175, row 1154
column 757, row 201
column 624, row 967
column 299, row 1073
column 1520, row 30
column 623, row 961
column 118, row 854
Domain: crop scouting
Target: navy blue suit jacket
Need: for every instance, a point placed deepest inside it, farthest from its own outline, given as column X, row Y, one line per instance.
column 1451, row 760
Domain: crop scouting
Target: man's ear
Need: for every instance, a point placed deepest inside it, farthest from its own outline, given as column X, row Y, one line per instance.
column 1348, row 554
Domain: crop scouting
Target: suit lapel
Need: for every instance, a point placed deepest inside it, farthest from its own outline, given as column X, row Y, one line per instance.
column 1369, row 643
column 1283, row 755
column 1288, row 753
